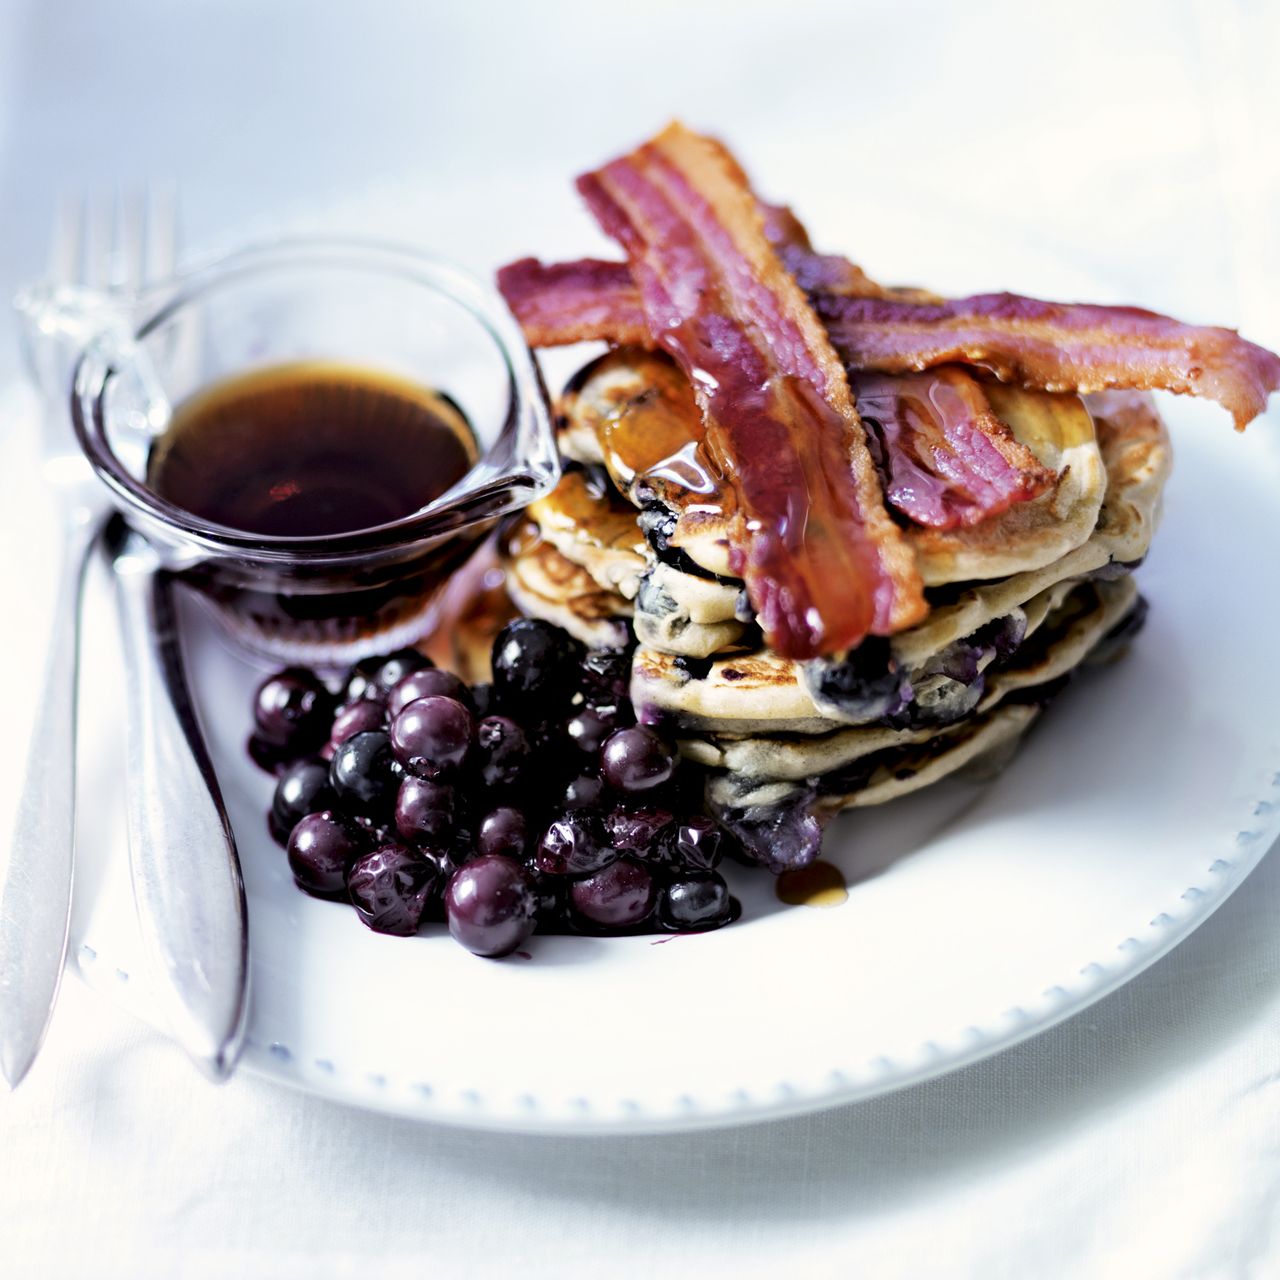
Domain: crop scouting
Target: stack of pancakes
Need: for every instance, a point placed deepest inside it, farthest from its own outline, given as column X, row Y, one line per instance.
column 1017, row 602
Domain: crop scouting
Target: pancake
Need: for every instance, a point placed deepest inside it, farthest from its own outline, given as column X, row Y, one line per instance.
column 796, row 758
column 988, row 736
column 545, row 584
column 691, row 615
column 1059, row 430
column 744, row 694
column 761, row 693
column 894, row 772
column 633, row 412
column 1138, row 456
column 1072, row 639
column 684, row 615
column 1093, row 611
column 1018, row 602
column 594, row 530
column 681, row 613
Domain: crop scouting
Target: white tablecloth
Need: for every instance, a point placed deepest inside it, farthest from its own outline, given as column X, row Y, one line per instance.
column 1132, row 145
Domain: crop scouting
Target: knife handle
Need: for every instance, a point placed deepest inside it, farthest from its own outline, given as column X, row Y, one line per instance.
column 186, row 872
column 35, row 880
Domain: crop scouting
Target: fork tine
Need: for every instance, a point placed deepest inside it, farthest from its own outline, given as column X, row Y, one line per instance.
column 128, row 239
column 65, row 245
column 96, row 241
column 160, row 258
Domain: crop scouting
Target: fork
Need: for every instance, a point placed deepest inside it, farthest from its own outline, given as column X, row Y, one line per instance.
column 102, row 254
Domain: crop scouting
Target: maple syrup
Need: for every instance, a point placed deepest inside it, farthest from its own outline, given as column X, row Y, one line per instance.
column 310, row 450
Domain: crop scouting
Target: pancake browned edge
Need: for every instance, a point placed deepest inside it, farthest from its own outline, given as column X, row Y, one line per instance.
column 1018, row 604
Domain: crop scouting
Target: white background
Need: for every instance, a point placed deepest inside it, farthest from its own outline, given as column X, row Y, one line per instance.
column 968, row 147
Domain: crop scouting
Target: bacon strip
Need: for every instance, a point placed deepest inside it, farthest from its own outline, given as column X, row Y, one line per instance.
column 1055, row 346
column 946, row 459
column 812, row 271
column 582, row 301
column 1049, row 346
column 823, row 564
column 590, row 300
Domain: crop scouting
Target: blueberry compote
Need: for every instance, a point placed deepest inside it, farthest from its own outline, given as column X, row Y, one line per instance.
column 534, row 804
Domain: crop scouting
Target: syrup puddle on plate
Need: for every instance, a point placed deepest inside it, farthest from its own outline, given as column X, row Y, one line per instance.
column 820, row 884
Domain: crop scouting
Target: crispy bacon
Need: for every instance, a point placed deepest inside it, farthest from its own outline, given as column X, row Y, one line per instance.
column 581, row 301
column 589, row 299
column 823, row 563
column 827, row 272
column 946, row 458
column 1055, row 346
column 1049, row 346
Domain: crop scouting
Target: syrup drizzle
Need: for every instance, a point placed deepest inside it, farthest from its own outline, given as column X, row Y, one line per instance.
column 820, row 884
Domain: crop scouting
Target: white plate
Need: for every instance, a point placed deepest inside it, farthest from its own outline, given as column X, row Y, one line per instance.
column 980, row 914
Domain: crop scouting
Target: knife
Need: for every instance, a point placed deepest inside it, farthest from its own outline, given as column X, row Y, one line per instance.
column 187, row 884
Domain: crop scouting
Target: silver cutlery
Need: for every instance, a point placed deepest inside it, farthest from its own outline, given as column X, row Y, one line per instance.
column 36, row 875
column 182, row 855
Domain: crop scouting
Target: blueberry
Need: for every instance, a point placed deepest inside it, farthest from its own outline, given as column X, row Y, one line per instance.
column 483, row 700
column 1114, row 643
column 379, row 829
column 462, row 847
column 278, row 833
column 445, row 863
column 590, row 726
column 695, row 903
column 303, row 788
column 364, row 773
column 1004, row 635
column 574, row 844
column 687, row 790
column 504, row 831
column 502, row 751
column 432, row 735
column 635, row 760
column 583, row 792
column 268, row 758
column 389, row 888
column 606, row 677
column 427, row 682
column 373, row 678
column 357, row 717
column 620, row 896
column 551, row 759
column 866, row 684
column 553, row 902
column 699, row 843
column 534, row 664
column 491, row 905
column 320, row 849
column 642, row 832
column 426, row 811
column 780, row 837
column 292, row 710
